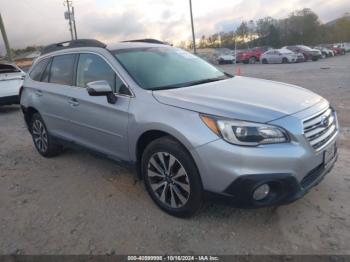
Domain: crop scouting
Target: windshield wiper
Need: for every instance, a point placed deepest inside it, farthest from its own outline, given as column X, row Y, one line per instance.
column 192, row 83
column 204, row 81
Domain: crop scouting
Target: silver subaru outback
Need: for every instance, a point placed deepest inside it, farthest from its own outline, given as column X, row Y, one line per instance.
column 187, row 128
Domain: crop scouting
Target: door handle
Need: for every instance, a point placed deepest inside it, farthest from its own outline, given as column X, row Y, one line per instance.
column 73, row 102
column 39, row 93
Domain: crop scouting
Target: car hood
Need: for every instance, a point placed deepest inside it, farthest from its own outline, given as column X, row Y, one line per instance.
column 242, row 98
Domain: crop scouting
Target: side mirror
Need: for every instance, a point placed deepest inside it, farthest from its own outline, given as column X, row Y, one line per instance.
column 101, row 88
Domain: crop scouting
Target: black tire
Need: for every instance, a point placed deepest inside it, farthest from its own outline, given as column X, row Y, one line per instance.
column 284, row 60
column 50, row 148
column 245, row 61
column 264, row 61
column 170, row 148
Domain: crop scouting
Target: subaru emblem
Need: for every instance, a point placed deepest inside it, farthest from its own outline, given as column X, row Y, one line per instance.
column 325, row 121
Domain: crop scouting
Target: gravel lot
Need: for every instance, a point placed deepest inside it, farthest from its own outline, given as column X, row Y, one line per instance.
column 78, row 203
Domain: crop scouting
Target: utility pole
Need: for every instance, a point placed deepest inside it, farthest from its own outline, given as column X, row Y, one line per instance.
column 74, row 25
column 193, row 36
column 6, row 42
column 68, row 16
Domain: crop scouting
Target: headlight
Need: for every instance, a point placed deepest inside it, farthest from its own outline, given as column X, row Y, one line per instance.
column 245, row 133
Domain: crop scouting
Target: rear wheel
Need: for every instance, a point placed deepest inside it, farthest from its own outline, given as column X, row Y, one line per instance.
column 171, row 177
column 43, row 142
column 284, row 60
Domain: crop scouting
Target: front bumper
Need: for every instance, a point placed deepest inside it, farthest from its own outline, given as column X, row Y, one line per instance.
column 285, row 188
column 290, row 169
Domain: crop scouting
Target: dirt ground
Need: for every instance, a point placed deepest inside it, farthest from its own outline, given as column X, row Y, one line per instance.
column 78, row 203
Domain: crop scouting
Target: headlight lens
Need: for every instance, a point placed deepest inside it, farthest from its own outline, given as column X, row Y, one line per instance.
column 245, row 133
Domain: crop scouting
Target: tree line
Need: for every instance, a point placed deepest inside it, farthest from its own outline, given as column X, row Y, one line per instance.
column 300, row 27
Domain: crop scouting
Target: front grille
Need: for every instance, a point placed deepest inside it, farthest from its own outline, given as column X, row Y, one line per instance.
column 321, row 128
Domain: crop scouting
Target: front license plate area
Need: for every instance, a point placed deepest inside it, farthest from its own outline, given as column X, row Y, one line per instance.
column 329, row 154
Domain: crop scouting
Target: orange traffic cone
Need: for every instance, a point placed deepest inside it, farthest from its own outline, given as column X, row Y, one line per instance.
column 238, row 71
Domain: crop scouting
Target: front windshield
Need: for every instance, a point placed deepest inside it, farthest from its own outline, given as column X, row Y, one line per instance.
column 156, row 68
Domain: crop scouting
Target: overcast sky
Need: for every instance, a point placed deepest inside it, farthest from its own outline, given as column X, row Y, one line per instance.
column 39, row 22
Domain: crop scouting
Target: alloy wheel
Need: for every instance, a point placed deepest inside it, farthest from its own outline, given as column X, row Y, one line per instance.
column 168, row 179
column 40, row 135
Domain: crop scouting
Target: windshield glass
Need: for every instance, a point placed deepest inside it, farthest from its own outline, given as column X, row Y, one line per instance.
column 156, row 68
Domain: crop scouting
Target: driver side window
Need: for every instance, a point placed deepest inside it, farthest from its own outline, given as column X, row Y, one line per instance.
column 93, row 68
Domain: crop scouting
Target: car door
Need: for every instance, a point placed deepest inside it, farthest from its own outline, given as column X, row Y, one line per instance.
column 52, row 87
column 96, row 123
column 271, row 57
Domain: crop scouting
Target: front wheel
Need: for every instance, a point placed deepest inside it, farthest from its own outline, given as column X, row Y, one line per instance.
column 284, row 60
column 171, row 177
column 43, row 142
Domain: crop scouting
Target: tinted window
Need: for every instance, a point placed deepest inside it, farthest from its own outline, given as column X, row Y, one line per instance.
column 93, row 68
column 39, row 67
column 62, row 70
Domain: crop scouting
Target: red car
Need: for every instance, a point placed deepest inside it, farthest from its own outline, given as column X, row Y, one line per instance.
column 336, row 49
column 251, row 56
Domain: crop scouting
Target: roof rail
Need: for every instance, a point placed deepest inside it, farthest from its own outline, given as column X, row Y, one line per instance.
column 147, row 40
column 73, row 44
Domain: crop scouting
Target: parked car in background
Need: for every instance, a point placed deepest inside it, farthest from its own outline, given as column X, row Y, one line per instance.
column 11, row 80
column 309, row 53
column 255, row 142
column 345, row 46
column 278, row 56
column 252, row 56
column 339, row 49
column 336, row 50
column 226, row 59
column 326, row 52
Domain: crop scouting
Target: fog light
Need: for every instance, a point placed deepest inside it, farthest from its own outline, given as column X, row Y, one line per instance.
column 261, row 192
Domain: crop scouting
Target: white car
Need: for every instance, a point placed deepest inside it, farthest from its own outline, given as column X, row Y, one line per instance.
column 11, row 80
column 226, row 59
column 278, row 56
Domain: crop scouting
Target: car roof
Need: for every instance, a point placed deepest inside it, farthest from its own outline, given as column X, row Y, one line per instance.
column 130, row 45
column 92, row 43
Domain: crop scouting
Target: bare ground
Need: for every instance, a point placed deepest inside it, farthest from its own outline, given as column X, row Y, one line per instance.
column 78, row 203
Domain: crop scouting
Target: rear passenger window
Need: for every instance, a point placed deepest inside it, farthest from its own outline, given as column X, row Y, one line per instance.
column 62, row 70
column 93, row 68
column 38, row 69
